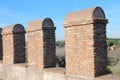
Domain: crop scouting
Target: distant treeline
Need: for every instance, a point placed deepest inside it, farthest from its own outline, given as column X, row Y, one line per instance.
column 110, row 42
column 60, row 44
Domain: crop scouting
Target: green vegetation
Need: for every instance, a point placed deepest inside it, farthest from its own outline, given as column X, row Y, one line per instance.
column 60, row 44
column 111, row 42
column 114, row 56
column 114, row 60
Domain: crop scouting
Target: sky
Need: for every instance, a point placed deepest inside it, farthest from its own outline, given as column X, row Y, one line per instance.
column 24, row 11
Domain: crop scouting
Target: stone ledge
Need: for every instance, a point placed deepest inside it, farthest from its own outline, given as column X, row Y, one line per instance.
column 56, row 70
column 1, row 61
column 21, row 64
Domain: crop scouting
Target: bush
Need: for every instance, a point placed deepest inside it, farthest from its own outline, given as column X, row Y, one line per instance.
column 114, row 56
column 60, row 61
column 114, row 61
column 116, row 68
column 118, row 43
column 60, row 43
column 111, row 42
column 109, row 69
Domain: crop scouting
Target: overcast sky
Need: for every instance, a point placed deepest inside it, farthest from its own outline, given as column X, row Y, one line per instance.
column 23, row 11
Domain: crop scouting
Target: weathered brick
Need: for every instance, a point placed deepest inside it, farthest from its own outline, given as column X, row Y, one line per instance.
column 41, row 43
column 85, row 38
column 13, row 44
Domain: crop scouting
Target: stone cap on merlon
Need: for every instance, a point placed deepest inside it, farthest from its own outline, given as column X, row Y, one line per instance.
column 84, row 16
column 37, row 25
column 15, row 28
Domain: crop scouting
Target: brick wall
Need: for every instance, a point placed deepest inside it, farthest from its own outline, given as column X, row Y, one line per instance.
column 85, row 38
column 41, row 43
column 13, row 44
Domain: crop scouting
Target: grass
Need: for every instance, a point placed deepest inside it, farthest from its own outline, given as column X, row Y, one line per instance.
column 114, row 61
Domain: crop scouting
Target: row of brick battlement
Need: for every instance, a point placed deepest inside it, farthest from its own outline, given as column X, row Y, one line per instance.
column 85, row 44
column 41, row 43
